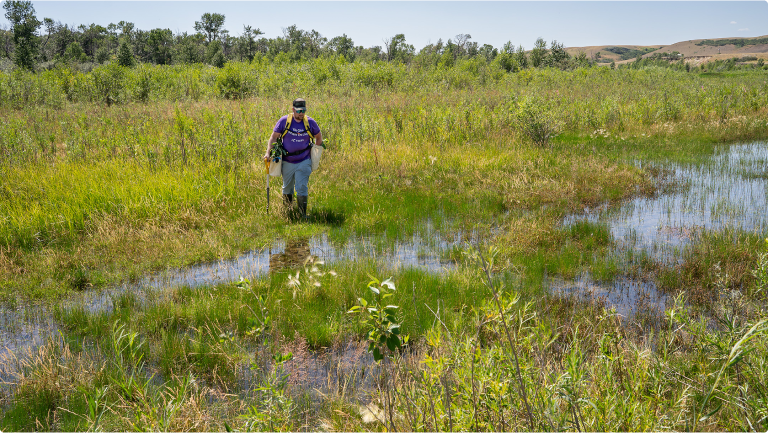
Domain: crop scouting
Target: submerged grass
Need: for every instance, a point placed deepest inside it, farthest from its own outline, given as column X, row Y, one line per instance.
column 581, row 365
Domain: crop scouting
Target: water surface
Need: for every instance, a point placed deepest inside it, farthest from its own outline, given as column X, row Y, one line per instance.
column 729, row 191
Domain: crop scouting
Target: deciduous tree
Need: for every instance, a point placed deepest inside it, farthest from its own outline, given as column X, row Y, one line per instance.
column 246, row 43
column 558, row 56
column 521, row 57
column 159, row 46
column 343, row 45
column 539, row 53
column 211, row 25
column 397, row 49
column 24, row 24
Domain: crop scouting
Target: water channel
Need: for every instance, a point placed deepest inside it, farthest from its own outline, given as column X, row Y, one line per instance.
column 31, row 325
column 729, row 191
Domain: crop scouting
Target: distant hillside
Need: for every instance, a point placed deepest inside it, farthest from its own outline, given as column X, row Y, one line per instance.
column 616, row 53
column 696, row 51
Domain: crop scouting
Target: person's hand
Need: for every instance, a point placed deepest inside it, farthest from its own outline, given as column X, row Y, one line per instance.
column 266, row 157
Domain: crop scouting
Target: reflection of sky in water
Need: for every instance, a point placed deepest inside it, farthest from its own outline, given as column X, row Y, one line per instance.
column 415, row 252
column 30, row 326
column 626, row 296
column 721, row 195
column 728, row 192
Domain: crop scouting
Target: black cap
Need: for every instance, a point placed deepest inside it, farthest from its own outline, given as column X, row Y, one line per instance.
column 299, row 103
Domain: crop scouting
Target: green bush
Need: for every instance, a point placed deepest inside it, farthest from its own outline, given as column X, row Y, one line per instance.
column 108, row 82
column 232, row 81
column 102, row 55
column 536, row 119
column 125, row 56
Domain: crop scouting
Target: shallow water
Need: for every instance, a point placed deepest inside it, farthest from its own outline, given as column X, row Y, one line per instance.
column 626, row 296
column 28, row 326
column 416, row 252
column 730, row 191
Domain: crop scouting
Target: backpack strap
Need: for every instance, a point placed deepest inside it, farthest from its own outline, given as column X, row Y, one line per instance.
column 309, row 131
column 288, row 122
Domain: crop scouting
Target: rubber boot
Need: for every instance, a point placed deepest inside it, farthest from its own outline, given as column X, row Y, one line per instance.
column 302, row 202
column 288, row 201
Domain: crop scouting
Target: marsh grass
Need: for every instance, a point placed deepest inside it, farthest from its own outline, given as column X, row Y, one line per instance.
column 92, row 194
column 583, row 367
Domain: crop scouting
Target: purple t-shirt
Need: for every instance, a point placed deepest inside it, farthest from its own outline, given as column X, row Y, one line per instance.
column 297, row 137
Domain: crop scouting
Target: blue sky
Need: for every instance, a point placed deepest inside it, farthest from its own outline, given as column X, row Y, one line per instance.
column 575, row 23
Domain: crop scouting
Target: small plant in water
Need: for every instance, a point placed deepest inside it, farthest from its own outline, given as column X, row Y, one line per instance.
column 384, row 335
column 274, row 412
column 307, row 283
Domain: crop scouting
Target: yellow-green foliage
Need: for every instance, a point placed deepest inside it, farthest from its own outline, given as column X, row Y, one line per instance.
column 93, row 177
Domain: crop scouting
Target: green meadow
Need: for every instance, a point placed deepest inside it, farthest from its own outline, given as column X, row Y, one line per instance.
column 112, row 175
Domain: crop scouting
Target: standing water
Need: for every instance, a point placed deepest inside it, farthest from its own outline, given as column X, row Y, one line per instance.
column 27, row 326
column 729, row 191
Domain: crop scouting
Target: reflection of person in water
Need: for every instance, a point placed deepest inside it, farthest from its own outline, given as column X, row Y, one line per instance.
column 296, row 252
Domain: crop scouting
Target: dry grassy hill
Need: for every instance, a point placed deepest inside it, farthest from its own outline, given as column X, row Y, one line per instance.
column 691, row 50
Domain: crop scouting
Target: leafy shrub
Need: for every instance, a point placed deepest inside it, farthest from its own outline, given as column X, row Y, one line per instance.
column 375, row 75
column 75, row 53
column 232, row 82
column 506, row 61
column 108, row 82
column 143, row 83
column 102, row 55
column 536, row 119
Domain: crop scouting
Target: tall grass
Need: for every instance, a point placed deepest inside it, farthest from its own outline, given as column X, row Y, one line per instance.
column 111, row 174
column 580, row 365
column 88, row 171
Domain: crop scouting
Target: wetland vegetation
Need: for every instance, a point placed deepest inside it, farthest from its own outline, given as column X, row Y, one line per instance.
column 118, row 173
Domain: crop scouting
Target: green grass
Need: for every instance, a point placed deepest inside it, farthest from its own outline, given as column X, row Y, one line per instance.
column 93, row 195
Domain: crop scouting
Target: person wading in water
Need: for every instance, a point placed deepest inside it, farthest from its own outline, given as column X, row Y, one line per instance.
column 297, row 140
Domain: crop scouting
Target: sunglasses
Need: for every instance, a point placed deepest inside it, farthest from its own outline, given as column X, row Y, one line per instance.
column 301, row 110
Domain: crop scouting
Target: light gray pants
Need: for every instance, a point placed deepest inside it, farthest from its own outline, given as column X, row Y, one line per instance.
column 297, row 175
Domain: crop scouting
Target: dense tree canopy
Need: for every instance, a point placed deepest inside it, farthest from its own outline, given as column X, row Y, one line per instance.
column 32, row 48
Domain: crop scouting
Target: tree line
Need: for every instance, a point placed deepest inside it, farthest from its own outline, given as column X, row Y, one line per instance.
column 33, row 44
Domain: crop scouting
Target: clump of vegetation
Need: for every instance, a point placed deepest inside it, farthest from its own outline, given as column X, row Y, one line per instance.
column 536, row 119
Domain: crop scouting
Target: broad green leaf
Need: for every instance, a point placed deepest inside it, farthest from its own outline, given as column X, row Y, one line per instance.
column 377, row 356
column 392, row 343
column 389, row 284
